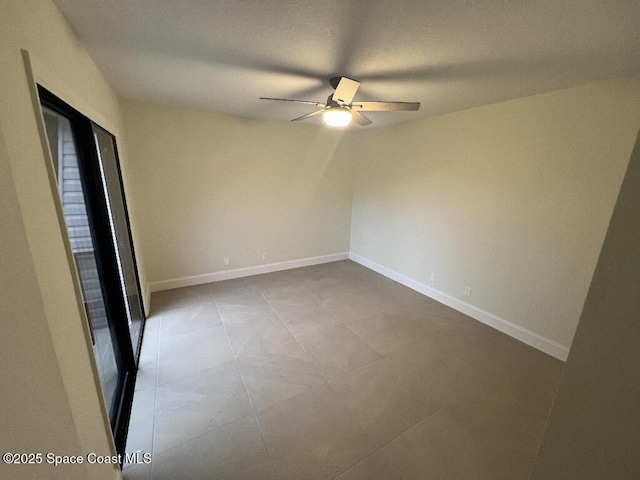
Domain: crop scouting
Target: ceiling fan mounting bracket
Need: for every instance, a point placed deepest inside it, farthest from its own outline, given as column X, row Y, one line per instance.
column 332, row 103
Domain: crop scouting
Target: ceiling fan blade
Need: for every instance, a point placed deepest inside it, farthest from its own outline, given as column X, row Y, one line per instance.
column 308, row 102
column 385, row 106
column 308, row 115
column 346, row 90
column 360, row 119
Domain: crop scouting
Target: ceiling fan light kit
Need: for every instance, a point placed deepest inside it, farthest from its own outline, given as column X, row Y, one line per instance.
column 340, row 109
column 336, row 116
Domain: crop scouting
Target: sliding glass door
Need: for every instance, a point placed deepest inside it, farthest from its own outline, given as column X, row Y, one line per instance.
column 119, row 221
column 88, row 177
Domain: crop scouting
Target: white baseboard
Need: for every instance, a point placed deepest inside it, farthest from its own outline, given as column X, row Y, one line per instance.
column 520, row 333
column 243, row 272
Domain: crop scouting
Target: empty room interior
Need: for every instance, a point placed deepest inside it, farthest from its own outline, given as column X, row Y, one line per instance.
column 195, row 286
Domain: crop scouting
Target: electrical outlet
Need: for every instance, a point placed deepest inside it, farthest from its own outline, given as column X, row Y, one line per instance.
column 265, row 256
column 467, row 291
column 226, row 260
column 432, row 277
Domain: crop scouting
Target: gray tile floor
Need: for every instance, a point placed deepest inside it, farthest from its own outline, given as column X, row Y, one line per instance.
column 332, row 371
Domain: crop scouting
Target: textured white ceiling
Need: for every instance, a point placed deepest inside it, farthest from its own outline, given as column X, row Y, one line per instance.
column 222, row 55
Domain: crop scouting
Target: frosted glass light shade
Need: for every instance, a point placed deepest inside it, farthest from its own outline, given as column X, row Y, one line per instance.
column 337, row 117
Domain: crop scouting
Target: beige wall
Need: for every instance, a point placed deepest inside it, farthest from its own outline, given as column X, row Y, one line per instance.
column 594, row 430
column 50, row 394
column 511, row 199
column 211, row 186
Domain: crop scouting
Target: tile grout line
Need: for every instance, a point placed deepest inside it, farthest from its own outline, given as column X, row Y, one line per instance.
column 382, row 356
column 244, row 384
column 322, row 373
column 155, row 392
column 441, row 407
column 328, row 382
column 389, row 441
column 155, row 389
column 340, row 397
column 323, row 376
column 295, row 338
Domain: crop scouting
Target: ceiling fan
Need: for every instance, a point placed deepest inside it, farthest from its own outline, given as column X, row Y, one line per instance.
column 340, row 109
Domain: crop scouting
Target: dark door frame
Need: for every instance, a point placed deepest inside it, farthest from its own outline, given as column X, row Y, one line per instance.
column 136, row 348
column 105, row 254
